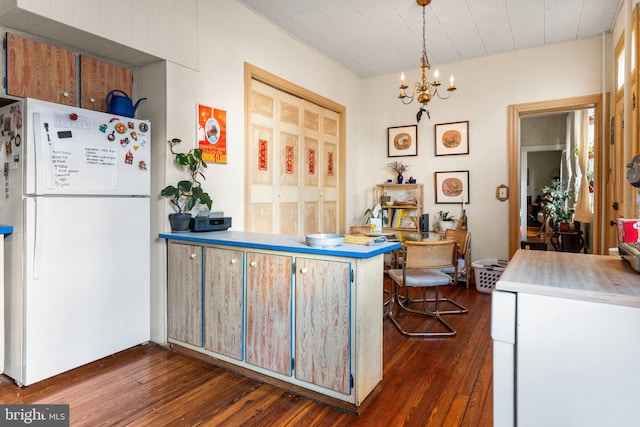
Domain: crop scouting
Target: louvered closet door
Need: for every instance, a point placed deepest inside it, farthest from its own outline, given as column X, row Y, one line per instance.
column 293, row 164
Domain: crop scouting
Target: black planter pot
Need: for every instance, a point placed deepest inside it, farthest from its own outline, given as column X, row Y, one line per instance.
column 179, row 221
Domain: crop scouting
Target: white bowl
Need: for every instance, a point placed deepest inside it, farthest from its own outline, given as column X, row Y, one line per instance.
column 325, row 240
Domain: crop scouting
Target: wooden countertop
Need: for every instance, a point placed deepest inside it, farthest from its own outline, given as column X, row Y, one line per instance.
column 280, row 243
column 598, row 278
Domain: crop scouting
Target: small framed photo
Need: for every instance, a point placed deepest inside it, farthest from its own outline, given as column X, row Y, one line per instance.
column 452, row 187
column 402, row 141
column 452, row 138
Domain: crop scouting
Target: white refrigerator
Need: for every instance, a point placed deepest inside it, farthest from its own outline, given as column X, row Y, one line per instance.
column 77, row 279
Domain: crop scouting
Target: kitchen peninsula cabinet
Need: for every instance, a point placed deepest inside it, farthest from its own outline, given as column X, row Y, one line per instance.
column 184, row 293
column 311, row 317
column 323, row 299
column 269, row 311
column 223, row 301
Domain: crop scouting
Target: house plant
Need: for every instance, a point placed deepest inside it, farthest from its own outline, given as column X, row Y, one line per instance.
column 446, row 221
column 376, row 219
column 187, row 193
column 554, row 205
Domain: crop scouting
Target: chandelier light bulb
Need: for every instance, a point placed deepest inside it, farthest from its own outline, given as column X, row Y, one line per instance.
column 451, row 80
column 436, row 74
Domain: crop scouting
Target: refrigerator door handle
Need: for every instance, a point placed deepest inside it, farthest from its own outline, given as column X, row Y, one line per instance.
column 37, row 151
column 39, row 233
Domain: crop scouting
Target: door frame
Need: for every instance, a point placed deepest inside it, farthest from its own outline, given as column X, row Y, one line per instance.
column 251, row 72
column 600, row 103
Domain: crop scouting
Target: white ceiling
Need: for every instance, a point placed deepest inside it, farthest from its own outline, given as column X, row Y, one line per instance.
column 376, row 37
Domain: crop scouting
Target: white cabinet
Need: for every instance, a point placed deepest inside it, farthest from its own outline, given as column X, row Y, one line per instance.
column 565, row 341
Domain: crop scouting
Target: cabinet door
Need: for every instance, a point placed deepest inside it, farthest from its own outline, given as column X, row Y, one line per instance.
column 41, row 71
column 97, row 79
column 323, row 323
column 268, row 302
column 223, row 301
column 184, row 293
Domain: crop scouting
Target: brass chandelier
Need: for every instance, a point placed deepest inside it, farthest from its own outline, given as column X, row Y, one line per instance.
column 424, row 89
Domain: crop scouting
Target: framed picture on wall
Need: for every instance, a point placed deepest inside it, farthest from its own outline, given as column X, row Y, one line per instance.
column 402, row 141
column 452, row 138
column 452, row 187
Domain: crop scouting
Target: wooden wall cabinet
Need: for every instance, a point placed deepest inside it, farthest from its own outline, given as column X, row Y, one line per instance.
column 98, row 78
column 407, row 203
column 41, row 71
column 184, row 293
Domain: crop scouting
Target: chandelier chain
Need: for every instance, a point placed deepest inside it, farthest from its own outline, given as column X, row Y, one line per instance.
column 424, row 31
column 424, row 90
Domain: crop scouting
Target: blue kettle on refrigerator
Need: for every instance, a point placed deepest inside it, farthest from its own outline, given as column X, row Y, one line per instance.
column 119, row 103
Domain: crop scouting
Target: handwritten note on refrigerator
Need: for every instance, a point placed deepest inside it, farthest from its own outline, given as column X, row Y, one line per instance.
column 88, row 167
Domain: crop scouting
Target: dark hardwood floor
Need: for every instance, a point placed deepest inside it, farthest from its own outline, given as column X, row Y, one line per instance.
column 427, row 382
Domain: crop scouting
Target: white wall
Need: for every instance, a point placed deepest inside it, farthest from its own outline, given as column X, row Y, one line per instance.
column 486, row 87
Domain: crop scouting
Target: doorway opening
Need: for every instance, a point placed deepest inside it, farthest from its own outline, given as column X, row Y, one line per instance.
column 517, row 173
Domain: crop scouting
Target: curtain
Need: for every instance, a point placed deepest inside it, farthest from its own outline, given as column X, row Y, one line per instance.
column 583, row 210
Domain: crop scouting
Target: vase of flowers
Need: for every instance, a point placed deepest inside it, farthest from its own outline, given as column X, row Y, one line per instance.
column 399, row 168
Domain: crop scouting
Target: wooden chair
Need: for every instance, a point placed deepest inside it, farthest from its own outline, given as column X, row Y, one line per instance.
column 421, row 264
column 464, row 253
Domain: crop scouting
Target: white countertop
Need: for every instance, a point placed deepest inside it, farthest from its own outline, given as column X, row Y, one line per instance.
column 280, row 243
column 598, row 278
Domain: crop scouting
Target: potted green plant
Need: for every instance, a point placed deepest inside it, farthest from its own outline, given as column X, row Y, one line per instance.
column 371, row 218
column 446, row 220
column 554, row 205
column 187, row 193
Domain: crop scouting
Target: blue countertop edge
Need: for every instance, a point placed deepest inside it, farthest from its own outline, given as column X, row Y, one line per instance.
column 6, row 229
column 280, row 243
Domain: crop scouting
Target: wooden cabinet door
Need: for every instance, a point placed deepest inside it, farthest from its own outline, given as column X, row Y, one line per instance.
column 184, row 293
column 223, row 301
column 268, row 305
column 41, row 71
column 98, row 78
column 323, row 323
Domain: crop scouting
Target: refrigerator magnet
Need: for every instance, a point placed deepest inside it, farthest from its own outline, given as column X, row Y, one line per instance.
column 128, row 158
column 18, row 140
